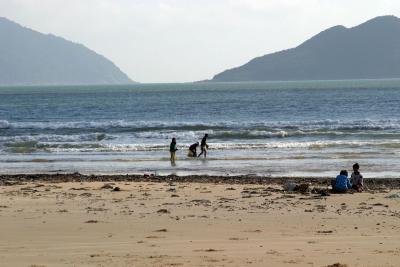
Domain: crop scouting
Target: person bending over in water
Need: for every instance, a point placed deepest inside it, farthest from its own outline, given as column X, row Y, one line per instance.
column 204, row 146
column 173, row 149
column 357, row 178
column 341, row 184
column 193, row 150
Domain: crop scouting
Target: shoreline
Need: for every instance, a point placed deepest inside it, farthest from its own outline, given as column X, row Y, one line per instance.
column 14, row 179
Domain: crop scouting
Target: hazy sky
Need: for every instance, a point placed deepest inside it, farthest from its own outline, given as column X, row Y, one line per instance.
column 188, row 40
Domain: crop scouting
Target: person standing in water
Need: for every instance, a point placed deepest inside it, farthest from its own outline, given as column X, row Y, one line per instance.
column 204, row 146
column 173, row 149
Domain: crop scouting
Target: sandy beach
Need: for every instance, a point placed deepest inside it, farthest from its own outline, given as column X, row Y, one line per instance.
column 199, row 133
column 164, row 222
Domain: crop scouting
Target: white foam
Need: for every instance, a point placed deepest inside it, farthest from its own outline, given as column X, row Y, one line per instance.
column 4, row 124
column 282, row 125
column 107, row 147
column 102, row 124
column 185, row 135
column 54, row 138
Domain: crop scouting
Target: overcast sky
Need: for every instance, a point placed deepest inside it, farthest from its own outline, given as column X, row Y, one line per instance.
column 189, row 40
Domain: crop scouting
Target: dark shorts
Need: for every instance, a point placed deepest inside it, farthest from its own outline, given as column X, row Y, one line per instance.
column 335, row 190
column 357, row 187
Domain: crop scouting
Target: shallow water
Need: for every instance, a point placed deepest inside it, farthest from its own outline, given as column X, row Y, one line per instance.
column 310, row 128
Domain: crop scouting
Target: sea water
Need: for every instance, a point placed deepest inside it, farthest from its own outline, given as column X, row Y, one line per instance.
column 310, row 128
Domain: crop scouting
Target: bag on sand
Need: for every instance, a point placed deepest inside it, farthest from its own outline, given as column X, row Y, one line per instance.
column 289, row 186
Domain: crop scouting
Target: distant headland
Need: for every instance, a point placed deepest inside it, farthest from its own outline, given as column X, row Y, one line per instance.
column 28, row 57
column 368, row 51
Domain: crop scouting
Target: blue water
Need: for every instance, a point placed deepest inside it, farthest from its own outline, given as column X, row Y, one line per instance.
column 310, row 128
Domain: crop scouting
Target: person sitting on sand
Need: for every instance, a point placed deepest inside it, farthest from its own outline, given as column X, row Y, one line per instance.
column 193, row 150
column 357, row 179
column 173, row 149
column 341, row 184
column 204, row 146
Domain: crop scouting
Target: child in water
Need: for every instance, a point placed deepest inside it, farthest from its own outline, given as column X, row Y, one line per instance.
column 193, row 150
column 173, row 149
column 203, row 146
column 357, row 179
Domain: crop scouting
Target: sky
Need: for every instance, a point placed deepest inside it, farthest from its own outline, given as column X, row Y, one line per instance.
column 156, row 41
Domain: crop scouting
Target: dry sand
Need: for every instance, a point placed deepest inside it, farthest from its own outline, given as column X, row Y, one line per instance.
column 194, row 224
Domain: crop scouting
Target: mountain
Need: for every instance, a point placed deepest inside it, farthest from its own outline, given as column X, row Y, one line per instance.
column 368, row 51
column 28, row 57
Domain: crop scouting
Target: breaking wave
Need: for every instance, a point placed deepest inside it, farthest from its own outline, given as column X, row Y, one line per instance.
column 125, row 136
column 34, row 146
column 91, row 137
column 154, row 125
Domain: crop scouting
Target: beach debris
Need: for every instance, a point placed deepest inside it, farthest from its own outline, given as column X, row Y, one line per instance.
column 320, row 191
column 337, row 265
column 161, row 230
column 395, row 195
column 10, row 183
column 30, row 189
column 253, row 231
column 79, row 188
column 204, row 202
column 90, row 209
column 208, row 250
column 380, row 204
column 163, row 211
column 238, row 238
column 302, row 188
column 324, row 193
column 92, row 221
column 224, row 199
column 325, row 232
column 62, row 210
column 154, row 237
column 288, row 196
column 107, row 186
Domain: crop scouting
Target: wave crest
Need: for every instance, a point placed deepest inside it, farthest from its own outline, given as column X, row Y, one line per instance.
column 4, row 124
column 34, row 146
column 154, row 125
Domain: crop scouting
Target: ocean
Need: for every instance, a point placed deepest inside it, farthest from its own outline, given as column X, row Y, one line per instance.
column 310, row 128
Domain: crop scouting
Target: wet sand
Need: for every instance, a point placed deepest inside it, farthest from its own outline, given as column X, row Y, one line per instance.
column 77, row 220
